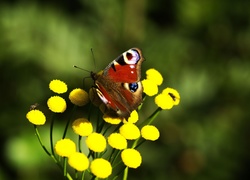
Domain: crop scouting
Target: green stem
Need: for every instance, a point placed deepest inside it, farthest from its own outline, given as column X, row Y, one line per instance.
column 47, row 152
column 40, row 140
column 67, row 124
column 135, row 143
column 152, row 117
column 51, row 135
column 139, row 107
column 125, row 175
column 115, row 157
column 79, row 143
column 64, row 167
column 83, row 175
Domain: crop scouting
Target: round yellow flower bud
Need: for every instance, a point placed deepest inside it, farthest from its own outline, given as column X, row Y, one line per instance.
column 149, row 87
column 96, row 142
column 101, row 168
column 82, row 127
column 131, row 158
column 150, row 132
column 154, row 76
column 79, row 97
column 58, row 86
column 129, row 131
column 164, row 101
column 78, row 161
column 65, row 147
column 111, row 120
column 57, row 104
column 36, row 117
column 117, row 141
column 174, row 95
column 134, row 117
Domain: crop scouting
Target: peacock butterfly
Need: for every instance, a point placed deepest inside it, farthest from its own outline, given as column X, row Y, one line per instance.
column 118, row 85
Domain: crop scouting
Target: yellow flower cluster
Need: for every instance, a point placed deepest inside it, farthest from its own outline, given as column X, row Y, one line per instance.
column 98, row 136
column 56, row 103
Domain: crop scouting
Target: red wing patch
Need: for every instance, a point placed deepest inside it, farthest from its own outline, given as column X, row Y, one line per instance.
column 125, row 73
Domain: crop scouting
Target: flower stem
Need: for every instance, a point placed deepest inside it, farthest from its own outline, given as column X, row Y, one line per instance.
column 40, row 141
column 64, row 167
column 79, row 143
column 67, row 124
column 47, row 152
column 152, row 117
column 125, row 175
column 51, row 135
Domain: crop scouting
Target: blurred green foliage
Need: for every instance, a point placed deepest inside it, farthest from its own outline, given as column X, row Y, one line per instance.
column 202, row 48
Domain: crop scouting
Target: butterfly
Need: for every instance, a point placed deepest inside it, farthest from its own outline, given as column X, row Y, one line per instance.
column 118, row 85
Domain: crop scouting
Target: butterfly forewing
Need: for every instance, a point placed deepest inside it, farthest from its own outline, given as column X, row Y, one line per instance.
column 126, row 68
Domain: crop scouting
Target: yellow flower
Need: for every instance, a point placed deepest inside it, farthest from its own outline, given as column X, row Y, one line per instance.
column 58, row 86
column 65, row 147
column 149, row 87
column 154, row 76
column 130, row 131
column 57, row 104
column 112, row 120
column 164, row 101
column 131, row 158
column 174, row 95
column 117, row 141
column 78, row 161
column 36, row 117
column 96, row 142
column 82, row 127
column 79, row 97
column 134, row 117
column 150, row 132
column 101, row 168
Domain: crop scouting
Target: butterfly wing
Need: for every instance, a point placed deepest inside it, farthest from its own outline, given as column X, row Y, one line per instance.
column 118, row 85
column 126, row 67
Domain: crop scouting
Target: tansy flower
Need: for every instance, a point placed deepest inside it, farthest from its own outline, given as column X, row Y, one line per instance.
column 149, row 87
column 133, row 118
column 96, row 142
column 117, row 141
column 154, row 76
column 57, row 104
column 173, row 93
column 129, row 131
column 78, row 161
column 58, row 86
column 131, row 158
column 79, row 97
column 150, row 132
column 36, row 117
column 82, row 127
column 65, row 147
column 164, row 101
column 112, row 120
column 101, row 168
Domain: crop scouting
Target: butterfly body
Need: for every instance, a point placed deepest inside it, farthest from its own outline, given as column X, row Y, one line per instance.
column 118, row 85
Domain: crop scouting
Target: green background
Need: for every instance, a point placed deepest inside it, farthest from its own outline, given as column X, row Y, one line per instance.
column 202, row 49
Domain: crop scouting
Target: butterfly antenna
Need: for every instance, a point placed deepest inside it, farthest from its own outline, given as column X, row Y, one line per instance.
column 77, row 67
